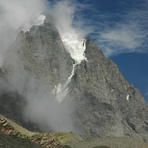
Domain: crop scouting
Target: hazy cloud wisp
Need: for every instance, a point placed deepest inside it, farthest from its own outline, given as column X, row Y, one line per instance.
column 15, row 16
column 118, row 32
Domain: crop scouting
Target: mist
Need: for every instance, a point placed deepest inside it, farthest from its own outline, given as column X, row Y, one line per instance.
column 42, row 107
column 72, row 35
column 15, row 16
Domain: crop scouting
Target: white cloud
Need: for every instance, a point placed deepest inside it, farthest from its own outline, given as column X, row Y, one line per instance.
column 120, row 40
column 121, row 37
column 18, row 12
column 72, row 35
column 127, row 35
column 43, row 108
column 17, row 15
column 119, row 32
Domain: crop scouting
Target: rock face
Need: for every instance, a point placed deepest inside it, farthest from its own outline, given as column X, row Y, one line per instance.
column 39, row 53
column 106, row 104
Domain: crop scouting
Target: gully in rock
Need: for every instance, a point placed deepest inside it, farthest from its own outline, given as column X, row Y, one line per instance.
column 77, row 52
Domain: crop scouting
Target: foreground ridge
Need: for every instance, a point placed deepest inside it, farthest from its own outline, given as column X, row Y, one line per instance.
column 42, row 139
column 62, row 139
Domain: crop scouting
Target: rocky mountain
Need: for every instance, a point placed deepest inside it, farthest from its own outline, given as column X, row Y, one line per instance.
column 103, row 102
column 108, row 104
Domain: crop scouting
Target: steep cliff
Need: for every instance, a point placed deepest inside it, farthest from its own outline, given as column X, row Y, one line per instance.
column 108, row 105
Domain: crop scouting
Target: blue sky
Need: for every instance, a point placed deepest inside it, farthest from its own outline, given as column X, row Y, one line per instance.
column 120, row 29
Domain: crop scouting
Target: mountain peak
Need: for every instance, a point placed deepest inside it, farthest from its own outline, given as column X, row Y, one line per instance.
column 90, row 42
column 93, row 53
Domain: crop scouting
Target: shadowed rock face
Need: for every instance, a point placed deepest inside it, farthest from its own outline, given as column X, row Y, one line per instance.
column 106, row 104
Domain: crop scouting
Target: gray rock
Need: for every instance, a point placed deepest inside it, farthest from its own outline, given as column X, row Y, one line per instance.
column 107, row 104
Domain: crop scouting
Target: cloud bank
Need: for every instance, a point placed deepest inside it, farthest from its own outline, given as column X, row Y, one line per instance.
column 17, row 15
column 44, row 110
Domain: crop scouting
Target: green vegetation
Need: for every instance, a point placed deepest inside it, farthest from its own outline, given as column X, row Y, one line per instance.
column 101, row 147
column 109, row 142
column 67, row 137
column 15, row 136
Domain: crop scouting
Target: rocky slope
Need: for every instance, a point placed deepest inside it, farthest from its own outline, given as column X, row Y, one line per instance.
column 108, row 105
column 13, row 135
column 105, row 103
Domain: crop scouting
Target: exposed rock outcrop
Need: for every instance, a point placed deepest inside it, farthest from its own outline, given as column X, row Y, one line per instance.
column 108, row 105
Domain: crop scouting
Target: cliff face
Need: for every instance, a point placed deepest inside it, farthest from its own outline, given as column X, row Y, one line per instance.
column 106, row 104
